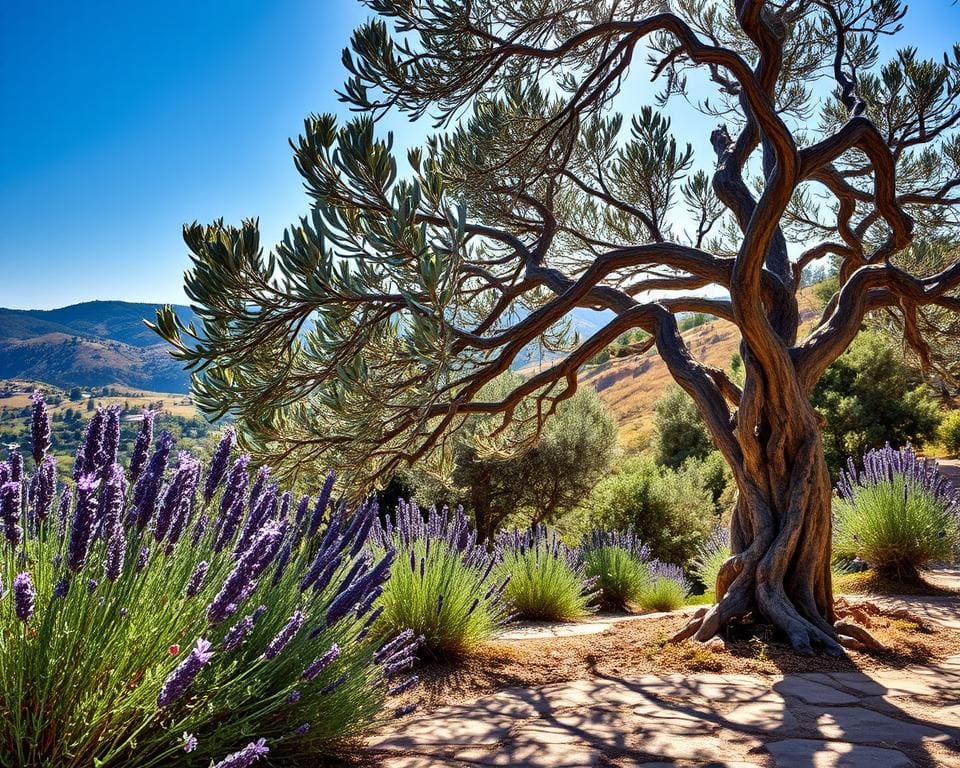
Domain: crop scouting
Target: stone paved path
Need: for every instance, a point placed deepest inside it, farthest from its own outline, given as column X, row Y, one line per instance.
column 879, row 719
column 839, row 720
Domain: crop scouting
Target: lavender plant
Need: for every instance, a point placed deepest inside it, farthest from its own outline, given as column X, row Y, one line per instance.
column 547, row 579
column 620, row 563
column 666, row 589
column 711, row 555
column 444, row 586
column 135, row 634
column 897, row 512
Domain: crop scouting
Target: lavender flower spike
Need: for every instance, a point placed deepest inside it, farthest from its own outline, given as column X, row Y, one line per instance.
column 81, row 528
column 246, row 756
column 282, row 639
column 141, row 448
column 219, row 463
column 180, row 679
column 39, row 428
column 196, row 578
column 24, row 596
column 11, row 500
column 320, row 664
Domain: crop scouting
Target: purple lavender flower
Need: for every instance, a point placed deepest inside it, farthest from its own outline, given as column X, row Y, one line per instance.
column 147, row 490
column 177, row 496
column 322, row 501
column 405, row 686
column 11, row 499
column 301, row 512
column 111, row 435
column 199, row 528
column 15, row 459
column 294, row 696
column 405, row 710
column 246, row 756
column 91, row 451
column 259, row 483
column 46, row 488
column 318, row 665
column 249, row 568
column 196, row 578
column 63, row 512
column 180, row 679
column 261, row 509
column 141, row 448
column 24, row 596
column 142, row 556
column 39, row 428
column 219, row 463
column 302, row 729
column 189, row 742
column 113, row 531
column 92, row 585
column 237, row 633
column 352, row 594
column 81, row 528
column 282, row 639
column 331, row 687
column 231, row 503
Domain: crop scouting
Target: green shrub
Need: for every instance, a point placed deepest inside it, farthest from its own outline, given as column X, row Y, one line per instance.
column 869, row 396
column 619, row 563
column 710, row 558
column 897, row 514
column 664, row 593
column 670, row 511
column 547, row 579
column 443, row 586
column 949, row 433
column 679, row 430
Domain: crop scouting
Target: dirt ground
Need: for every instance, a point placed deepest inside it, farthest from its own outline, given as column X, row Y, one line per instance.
column 633, row 648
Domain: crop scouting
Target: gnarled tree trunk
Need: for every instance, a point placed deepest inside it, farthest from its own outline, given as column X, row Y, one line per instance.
column 779, row 570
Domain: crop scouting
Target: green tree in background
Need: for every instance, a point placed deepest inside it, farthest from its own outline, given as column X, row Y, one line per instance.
column 679, row 430
column 538, row 483
column 870, row 396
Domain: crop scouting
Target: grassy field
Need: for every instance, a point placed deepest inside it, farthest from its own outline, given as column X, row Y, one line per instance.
column 71, row 409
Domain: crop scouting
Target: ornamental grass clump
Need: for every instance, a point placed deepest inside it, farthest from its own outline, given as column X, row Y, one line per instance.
column 711, row 556
column 444, row 586
column 547, row 579
column 898, row 513
column 620, row 563
column 164, row 616
column 666, row 589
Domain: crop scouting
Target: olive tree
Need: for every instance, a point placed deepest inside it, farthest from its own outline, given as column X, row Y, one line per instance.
column 554, row 181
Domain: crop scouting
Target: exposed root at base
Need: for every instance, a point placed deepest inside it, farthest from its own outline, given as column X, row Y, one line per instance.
column 849, row 635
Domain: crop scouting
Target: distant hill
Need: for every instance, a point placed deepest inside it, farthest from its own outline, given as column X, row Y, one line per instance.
column 89, row 345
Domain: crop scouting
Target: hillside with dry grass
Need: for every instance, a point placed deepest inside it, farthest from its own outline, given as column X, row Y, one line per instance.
column 630, row 386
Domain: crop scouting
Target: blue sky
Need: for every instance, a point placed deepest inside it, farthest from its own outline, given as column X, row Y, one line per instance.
column 123, row 120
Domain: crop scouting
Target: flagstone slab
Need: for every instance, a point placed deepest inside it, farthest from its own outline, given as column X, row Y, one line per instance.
column 812, row 692
column 860, row 725
column 534, row 755
column 898, row 683
column 768, row 716
column 811, row 753
column 442, row 728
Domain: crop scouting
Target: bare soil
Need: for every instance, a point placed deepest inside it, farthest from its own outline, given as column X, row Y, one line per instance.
column 634, row 648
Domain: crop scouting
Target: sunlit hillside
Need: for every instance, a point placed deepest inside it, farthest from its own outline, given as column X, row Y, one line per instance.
column 631, row 385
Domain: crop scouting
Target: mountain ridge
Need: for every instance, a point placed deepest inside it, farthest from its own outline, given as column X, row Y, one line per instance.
column 92, row 343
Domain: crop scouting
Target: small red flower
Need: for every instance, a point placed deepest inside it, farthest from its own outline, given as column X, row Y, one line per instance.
column 174, row 649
